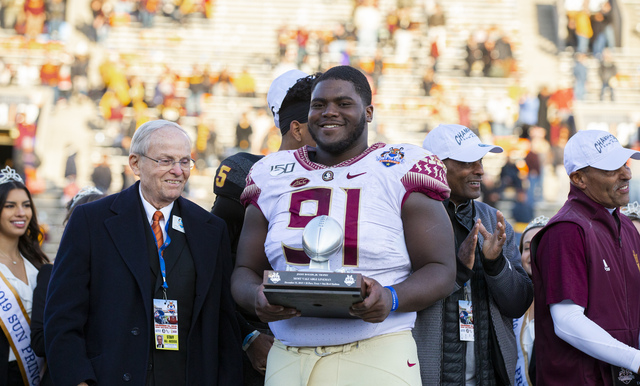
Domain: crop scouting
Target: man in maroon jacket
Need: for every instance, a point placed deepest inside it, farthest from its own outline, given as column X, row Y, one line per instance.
column 587, row 274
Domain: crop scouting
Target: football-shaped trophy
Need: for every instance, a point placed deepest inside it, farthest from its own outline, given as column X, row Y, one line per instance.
column 318, row 291
column 321, row 239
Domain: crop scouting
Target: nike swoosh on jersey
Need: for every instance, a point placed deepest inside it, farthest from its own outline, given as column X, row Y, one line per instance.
column 410, row 364
column 350, row 176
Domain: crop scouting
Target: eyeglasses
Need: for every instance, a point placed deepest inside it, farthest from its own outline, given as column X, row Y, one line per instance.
column 185, row 163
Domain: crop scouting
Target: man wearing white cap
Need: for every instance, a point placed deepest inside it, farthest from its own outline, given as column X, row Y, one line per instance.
column 490, row 282
column 288, row 99
column 587, row 273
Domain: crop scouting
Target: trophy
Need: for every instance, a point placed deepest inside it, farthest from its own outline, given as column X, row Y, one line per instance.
column 318, row 291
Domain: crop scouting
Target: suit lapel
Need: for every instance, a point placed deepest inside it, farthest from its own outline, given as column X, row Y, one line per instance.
column 126, row 229
column 203, row 239
column 174, row 252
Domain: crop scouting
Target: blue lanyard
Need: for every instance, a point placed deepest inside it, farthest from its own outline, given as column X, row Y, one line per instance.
column 466, row 291
column 163, row 268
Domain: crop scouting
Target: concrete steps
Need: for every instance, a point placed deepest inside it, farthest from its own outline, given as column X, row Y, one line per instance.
column 627, row 61
column 51, row 213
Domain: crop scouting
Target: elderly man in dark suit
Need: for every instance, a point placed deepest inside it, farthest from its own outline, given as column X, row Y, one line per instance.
column 134, row 254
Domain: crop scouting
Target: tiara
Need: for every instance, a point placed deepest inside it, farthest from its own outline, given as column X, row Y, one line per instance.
column 8, row 174
column 632, row 210
column 87, row 190
column 537, row 222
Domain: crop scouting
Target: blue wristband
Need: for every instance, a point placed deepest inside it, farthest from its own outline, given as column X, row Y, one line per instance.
column 249, row 339
column 394, row 298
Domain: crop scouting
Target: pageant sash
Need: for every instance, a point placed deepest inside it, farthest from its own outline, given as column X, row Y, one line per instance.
column 15, row 324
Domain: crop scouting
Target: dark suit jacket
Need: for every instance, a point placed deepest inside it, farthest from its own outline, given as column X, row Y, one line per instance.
column 99, row 307
column 37, row 317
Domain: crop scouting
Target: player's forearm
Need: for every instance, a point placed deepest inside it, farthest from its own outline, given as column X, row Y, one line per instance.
column 244, row 286
column 424, row 287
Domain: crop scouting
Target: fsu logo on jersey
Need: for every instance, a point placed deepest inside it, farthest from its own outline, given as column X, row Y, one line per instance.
column 327, row 176
column 392, row 157
column 298, row 182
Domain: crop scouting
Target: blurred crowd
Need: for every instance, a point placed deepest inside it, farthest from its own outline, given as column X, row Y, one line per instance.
column 33, row 17
column 489, row 53
column 533, row 130
column 589, row 26
column 108, row 13
column 131, row 89
column 590, row 34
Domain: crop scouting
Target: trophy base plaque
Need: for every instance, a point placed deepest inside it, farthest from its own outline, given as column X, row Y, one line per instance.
column 315, row 294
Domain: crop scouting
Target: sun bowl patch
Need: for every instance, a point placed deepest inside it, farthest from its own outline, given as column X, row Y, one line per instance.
column 394, row 156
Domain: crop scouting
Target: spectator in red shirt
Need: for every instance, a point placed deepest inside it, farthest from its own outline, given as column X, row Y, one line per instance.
column 35, row 16
column 50, row 76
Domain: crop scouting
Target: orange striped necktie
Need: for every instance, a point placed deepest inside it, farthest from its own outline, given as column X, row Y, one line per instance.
column 157, row 230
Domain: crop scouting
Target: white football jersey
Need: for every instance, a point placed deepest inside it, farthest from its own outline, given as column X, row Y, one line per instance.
column 365, row 195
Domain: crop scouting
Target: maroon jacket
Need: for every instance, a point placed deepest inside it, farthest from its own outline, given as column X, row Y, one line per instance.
column 584, row 255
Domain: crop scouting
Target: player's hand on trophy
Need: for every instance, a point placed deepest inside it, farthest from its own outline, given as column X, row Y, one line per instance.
column 467, row 251
column 268, row 312
column 376, row 306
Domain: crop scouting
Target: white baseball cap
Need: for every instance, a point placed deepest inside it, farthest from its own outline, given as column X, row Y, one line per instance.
column 596, row 148
column 278, row 91
column 458, row 143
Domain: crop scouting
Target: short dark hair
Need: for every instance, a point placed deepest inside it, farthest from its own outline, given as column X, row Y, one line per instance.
column 300, row 92
column 350, row 74
column 295, row 105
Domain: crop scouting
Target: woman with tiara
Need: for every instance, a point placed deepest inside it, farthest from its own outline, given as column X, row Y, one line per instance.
column 84, row 196
column 20, row 259
column 523, row 327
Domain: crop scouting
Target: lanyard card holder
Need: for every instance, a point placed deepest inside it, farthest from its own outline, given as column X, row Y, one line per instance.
column 165, row 323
